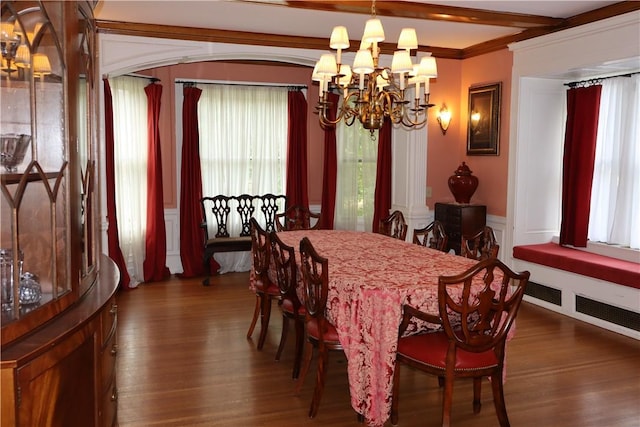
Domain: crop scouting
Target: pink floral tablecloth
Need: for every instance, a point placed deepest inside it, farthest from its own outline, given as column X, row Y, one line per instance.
column 370, row 277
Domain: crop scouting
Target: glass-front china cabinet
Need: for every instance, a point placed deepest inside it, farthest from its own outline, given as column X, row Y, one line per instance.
column 58, row 316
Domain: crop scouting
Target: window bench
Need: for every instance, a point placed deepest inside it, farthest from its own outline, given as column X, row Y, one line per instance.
column 216, row 210
column 612, row 270
column 594, row 288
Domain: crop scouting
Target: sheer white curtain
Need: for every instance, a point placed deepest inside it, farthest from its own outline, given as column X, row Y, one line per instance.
column 357, row 154
column 243, row 149
column 615, row 195
column 130, row 159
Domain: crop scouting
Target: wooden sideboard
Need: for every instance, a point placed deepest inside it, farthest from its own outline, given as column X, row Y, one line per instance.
column 460, row 219
column 63, row 374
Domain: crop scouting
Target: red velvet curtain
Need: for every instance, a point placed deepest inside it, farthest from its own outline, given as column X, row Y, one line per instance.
column 578, row 163
column 115, row 253
column 297, row 190
column 191, row 235
column 154, row 264
column 382, row 197
column 330, row 170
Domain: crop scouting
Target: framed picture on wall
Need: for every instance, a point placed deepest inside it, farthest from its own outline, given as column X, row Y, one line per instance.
column 483, row 129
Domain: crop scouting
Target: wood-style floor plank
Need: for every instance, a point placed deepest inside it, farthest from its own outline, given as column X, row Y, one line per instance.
column 184, row 360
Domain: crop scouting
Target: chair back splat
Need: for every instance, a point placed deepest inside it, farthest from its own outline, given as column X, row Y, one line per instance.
column 394, row 226
column 471, row 343
column 271, row 204
column 315, row 273
column 284, row 260
column 266, row 290
column 432, row 236
column 480, row 245
column 297, row 217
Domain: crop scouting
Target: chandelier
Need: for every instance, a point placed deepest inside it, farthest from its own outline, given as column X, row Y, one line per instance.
column 370, row 92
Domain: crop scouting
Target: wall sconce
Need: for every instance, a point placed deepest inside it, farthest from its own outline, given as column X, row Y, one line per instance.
column 444, row 118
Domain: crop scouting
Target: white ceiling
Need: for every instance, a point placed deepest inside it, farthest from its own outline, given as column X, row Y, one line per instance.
column 270, row 18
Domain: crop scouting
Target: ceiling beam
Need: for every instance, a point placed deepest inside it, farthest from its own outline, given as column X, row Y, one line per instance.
column 244, row 37
column 428, row 11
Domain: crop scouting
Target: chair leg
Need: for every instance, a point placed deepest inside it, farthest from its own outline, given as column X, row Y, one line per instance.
column 498, row 400
column 206, row 261
column 256, row 314
column 299, row 324
column 265, row 316
column 447, row 401
column 305, row 366
column 283, row 335
column 323, row 357
column 394, row 394
column 477, row 389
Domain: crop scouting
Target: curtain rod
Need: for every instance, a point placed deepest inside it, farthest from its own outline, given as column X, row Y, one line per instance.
column 193, row 83
column 140, row 76
column 589, row 82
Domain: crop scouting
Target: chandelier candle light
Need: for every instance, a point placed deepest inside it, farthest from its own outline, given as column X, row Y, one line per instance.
column 370, row 92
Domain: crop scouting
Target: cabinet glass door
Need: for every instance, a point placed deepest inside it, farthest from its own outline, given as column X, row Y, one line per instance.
column 35, row 186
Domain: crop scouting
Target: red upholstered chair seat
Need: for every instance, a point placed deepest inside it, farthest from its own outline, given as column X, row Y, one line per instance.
column 271, row 289
column 431, row 349
column 287, row 306
column 331, row 334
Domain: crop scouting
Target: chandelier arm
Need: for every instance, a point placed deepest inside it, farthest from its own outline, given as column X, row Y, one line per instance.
column 407, row 121
column 343, row 112
column 394, row 110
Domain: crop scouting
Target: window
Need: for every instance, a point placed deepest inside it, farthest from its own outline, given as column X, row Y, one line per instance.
column 615, row 199
column 243, row 147
column 130, row 160
column 357, row 151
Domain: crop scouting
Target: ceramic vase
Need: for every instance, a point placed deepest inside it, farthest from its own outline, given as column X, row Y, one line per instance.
column 463, row 184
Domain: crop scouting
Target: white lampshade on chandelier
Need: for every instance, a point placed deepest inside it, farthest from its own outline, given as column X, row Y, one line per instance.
column 371, row 92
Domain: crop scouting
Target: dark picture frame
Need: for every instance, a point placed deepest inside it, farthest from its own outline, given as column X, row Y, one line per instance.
column 483, row 128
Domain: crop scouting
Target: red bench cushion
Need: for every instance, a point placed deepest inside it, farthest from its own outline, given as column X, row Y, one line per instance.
column 585, row 263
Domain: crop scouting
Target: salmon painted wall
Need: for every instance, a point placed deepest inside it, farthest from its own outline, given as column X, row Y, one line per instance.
column 442, row 151
column 222, row 71
column 445, row 153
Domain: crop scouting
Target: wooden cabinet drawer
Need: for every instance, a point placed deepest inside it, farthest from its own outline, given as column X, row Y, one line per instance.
column 108, row 416
column 109, row 321
column 108, row 363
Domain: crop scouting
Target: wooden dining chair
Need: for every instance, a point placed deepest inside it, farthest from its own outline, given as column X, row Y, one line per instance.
column 297, row 217
column 266, row 290
column 432, row 236
column 394, row 226
column 284, row 260
column 481, row 245
column 471, row 343
column 321, row 334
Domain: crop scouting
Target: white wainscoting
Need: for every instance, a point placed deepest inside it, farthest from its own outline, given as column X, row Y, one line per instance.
column 172, row 225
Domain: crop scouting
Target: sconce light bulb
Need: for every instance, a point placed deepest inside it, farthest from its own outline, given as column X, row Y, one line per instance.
column 444, row 118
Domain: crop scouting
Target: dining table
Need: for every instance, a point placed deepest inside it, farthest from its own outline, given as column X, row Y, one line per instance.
column 371, row 276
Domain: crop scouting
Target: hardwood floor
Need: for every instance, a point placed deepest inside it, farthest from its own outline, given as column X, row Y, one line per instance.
column 184, row 360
